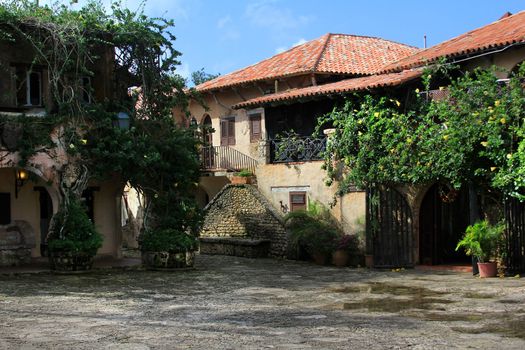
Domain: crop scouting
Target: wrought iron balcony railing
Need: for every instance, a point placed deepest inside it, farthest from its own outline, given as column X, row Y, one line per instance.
column 216, row 158
column 297, row 149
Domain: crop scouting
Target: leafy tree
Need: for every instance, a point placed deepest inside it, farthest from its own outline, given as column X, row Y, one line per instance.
column 473, row 136
column 200, row 76
column 154, row 155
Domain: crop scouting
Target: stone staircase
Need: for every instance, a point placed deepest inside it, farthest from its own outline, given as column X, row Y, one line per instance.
column 240, row 221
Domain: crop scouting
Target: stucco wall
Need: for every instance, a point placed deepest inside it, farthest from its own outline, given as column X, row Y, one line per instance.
column 107, row 218
column 507, row 60
column 276, row 181
column 27, row 207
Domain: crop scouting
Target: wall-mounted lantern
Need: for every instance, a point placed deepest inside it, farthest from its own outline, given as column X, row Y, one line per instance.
column 193, row 122
column 122, row 121
column 20, row 178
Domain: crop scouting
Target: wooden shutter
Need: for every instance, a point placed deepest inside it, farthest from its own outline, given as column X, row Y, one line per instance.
column 224, row 132
column 297, row 201
column 228, row 132
column 231, row 132
column 255, row 128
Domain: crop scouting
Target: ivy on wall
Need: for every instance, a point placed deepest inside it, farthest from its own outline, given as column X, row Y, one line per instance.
column 474, row 134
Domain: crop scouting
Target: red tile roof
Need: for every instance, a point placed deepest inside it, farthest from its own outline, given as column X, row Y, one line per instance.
column 329, row 54
column 506, row 31
column 340, row 87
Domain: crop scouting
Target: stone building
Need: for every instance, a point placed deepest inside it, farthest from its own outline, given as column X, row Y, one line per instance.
column 251, row 108
column 243, row 134
column 30, row 194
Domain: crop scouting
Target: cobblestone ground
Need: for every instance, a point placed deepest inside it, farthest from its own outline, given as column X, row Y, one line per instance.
column 236, row 303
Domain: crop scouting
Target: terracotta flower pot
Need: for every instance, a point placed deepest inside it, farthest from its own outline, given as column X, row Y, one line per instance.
column 340, row 258
column 319, row 258
column 489, row 269
column 168, row 260
column 369, row 260
column 65, row 261
column 241, row 180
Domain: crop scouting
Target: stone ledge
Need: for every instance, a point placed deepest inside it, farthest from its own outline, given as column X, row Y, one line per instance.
column 235, row 241
column 247, row 248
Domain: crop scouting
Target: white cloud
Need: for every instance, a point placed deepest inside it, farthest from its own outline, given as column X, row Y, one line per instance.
column 223, row 21
column 299, row 42
column 265, row 14
column 184, row 70
column 282, row 49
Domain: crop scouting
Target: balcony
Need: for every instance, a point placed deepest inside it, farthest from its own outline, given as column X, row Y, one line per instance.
column 224, row 158
column 297, row 149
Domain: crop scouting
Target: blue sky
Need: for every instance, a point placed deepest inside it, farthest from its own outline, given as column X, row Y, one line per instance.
column 224, row 35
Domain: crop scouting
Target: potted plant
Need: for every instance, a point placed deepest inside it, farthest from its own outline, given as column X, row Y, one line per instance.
column 346, row 247
column 243, row 177
column 481, row 241
column 168, row 249
column 314, row 231
column 73, row 242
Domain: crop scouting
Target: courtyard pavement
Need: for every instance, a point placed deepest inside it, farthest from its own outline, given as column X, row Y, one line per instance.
column 237, row 303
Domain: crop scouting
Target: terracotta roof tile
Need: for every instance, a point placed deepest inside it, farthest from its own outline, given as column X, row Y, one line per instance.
column 331, row 53
column 506, row 31
column 343, row 86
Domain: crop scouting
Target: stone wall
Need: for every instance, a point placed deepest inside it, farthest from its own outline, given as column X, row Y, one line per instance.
column 16, row 241
column 240, row 211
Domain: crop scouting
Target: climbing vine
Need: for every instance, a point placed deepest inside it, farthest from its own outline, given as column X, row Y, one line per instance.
column 78, row 48
column 474, row 133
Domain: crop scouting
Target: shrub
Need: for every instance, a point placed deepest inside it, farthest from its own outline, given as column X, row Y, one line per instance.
column 349, row 243
column 482, row 240
column 168, row 240
column 78, row 233
column 313, row 229
column 244, row 173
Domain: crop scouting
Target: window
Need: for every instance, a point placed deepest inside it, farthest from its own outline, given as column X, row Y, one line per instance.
column 255, row 128
column 297, row 201
column 228, row 131
column 29, row 88
column 5, row 208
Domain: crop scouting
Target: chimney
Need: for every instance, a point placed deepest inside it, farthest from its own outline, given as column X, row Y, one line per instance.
column 505, row 15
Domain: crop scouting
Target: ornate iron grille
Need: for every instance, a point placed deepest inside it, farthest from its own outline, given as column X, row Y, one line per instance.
column 389, row 228
column 297, row 149
column 515, row 234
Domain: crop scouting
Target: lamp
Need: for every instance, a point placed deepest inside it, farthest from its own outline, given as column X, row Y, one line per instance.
column 20, row 177
column 193, row 122
column 122, row 121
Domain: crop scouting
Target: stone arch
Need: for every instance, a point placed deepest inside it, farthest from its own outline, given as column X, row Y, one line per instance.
column 206, row 126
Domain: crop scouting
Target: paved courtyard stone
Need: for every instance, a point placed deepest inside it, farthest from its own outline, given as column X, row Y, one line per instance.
column 238, row 303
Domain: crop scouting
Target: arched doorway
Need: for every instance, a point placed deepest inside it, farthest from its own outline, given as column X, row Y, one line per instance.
column 443, row 218
column 207, row 131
